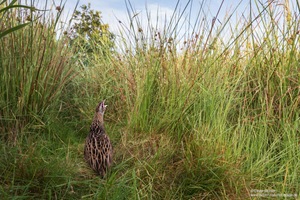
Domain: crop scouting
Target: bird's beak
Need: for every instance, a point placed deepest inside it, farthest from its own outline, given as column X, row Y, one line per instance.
column 103, row 103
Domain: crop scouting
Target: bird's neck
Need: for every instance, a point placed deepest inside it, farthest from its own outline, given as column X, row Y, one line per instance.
column 98, row 118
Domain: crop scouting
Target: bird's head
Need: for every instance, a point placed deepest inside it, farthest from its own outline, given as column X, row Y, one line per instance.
column 101, row 107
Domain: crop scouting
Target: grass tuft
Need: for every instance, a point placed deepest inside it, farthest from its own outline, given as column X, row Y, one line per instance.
column 210, row 112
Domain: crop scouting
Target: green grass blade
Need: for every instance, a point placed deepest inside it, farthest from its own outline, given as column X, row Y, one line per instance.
column 2, row 34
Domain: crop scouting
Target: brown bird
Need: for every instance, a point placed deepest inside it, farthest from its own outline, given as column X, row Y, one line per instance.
column 98, row 149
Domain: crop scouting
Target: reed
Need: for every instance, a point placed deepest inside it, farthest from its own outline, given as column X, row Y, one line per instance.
column 210, row 112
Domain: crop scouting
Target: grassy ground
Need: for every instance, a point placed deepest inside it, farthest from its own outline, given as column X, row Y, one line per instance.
column 213, row 120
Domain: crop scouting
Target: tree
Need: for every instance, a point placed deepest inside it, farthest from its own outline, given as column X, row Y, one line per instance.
column 89, row 32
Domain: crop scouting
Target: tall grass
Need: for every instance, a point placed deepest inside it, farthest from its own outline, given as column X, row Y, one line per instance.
column 35, row 66
column 199, row 115
column 227, row 105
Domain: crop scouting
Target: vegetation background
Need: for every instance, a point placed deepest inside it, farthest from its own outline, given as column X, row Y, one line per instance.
column 199, row 116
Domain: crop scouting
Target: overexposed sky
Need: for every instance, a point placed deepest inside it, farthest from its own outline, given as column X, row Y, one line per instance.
column 189, row 14
column 115, row 10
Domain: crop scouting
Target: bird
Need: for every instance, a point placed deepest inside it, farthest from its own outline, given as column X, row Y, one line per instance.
column 98, row 150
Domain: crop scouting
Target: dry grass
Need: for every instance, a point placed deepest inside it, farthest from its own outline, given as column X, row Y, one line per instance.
column 210, row 121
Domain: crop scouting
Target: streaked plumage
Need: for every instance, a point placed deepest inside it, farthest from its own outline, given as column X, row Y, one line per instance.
column 98, row 149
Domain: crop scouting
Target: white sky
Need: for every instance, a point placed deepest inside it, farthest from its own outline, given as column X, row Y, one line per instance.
column 114, row 11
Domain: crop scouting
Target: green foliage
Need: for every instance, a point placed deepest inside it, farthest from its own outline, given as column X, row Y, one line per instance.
column 34, row 66
column 213, row 120
column 89, row 32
